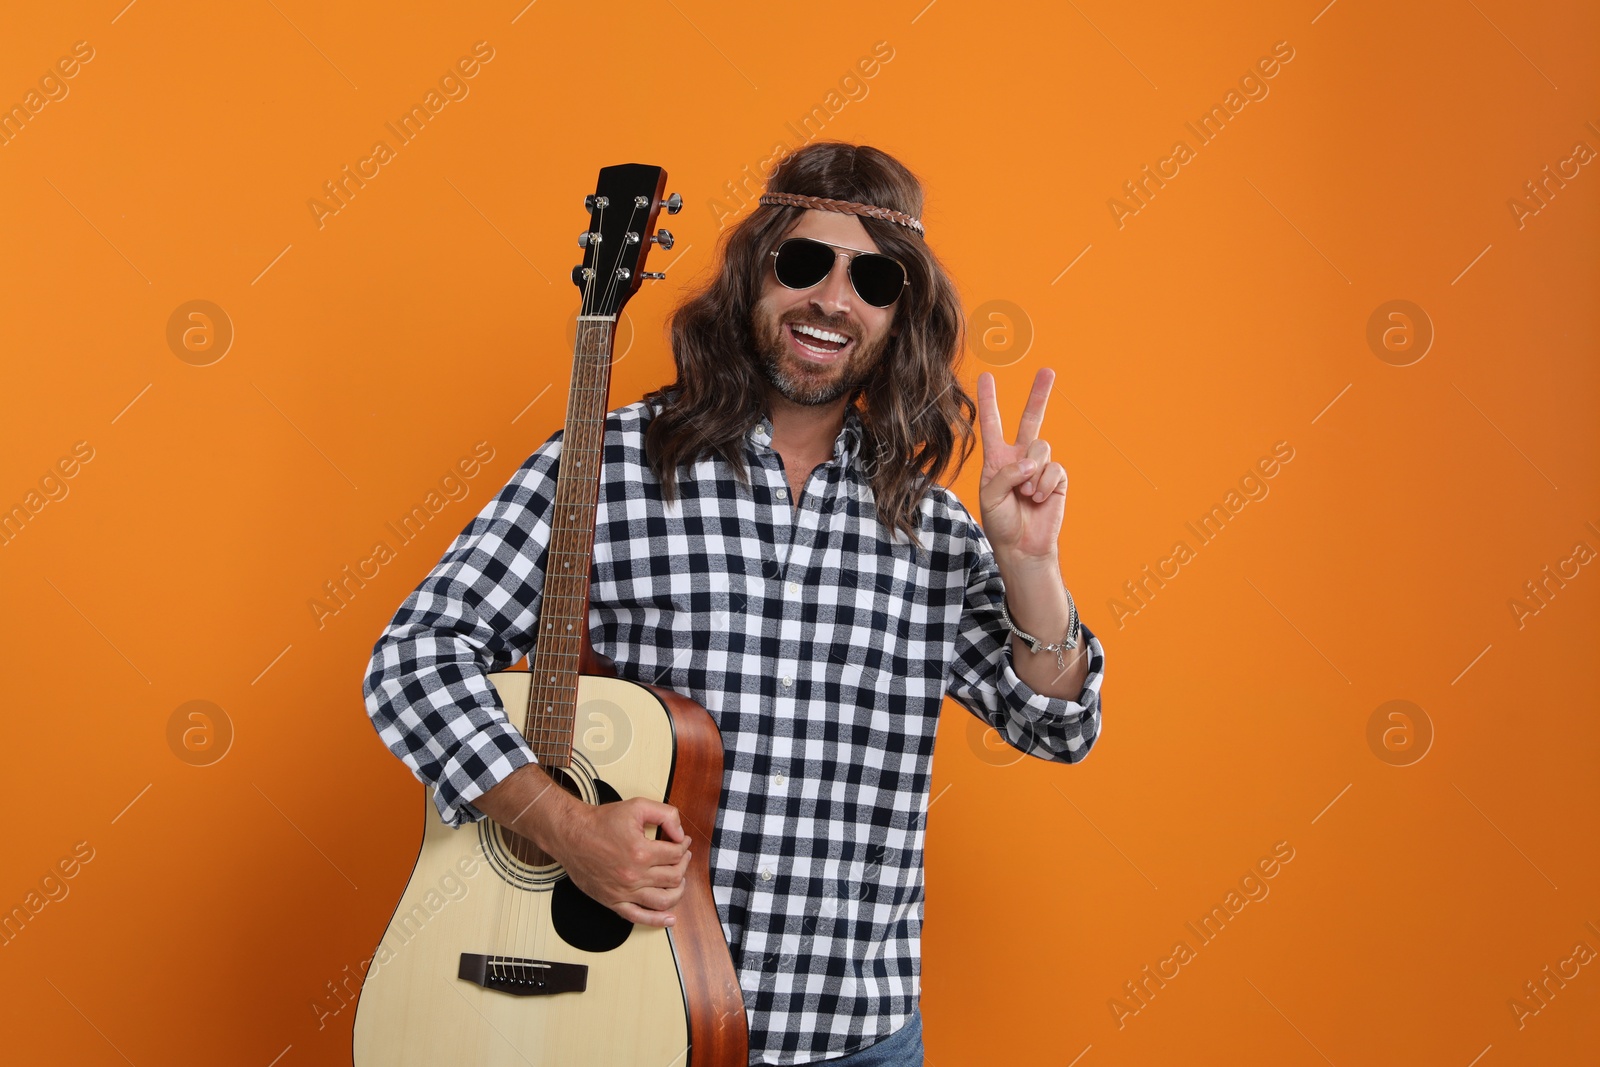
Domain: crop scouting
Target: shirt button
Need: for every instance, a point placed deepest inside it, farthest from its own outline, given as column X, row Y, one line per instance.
column 777, row 779
column 766, row 874
column 794, row 587
column 787, row 681
column 783, row 494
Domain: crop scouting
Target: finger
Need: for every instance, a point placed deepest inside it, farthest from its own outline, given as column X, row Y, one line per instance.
column 663, row 854
column 989, row 414
column 1039, row 452
column 668, row 874
column 660, row 900
column 1033, row 414
column 635, row 914
column 1004, row 481
column 654, row 813
column 1053, row 480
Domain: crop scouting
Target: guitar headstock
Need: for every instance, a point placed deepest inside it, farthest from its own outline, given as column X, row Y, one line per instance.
column 622, row 214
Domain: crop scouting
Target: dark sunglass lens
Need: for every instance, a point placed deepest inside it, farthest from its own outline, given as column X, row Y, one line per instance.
column 802, row 263
column 877, row 279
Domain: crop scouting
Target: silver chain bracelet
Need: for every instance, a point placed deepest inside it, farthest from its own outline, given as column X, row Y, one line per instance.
column 1069, row 641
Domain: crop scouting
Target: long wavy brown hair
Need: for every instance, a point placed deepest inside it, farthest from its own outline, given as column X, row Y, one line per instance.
column 915, row 414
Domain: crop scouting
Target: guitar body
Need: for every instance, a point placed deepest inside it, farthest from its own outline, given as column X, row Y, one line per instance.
column 649, row 996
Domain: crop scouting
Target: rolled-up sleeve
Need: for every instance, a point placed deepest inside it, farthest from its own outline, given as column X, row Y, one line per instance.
column 984, row 681
column 426, row 686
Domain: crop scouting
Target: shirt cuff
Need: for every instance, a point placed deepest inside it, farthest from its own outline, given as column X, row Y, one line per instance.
column 1049, row 714
column 482, row 761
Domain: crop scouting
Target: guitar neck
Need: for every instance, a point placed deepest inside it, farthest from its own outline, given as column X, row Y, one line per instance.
column 622, row 212
column 564, row 617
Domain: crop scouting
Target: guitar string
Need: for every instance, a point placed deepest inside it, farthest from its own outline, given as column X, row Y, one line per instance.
column 639, row 975
column 513, row 909
column 588, row 377
column 547, row 734
column 536, row 729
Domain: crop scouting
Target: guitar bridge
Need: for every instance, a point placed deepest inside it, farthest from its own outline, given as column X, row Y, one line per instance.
column 523, row 978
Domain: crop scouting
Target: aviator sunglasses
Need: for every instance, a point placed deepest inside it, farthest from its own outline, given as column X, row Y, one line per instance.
column 801, row 262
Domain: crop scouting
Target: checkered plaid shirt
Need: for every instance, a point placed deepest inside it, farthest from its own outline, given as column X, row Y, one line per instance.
column 821, row 647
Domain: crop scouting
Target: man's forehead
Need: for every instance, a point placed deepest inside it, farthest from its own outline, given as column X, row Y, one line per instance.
column 833, row 227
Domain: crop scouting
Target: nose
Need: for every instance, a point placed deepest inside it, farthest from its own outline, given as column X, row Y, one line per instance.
column 835, row 292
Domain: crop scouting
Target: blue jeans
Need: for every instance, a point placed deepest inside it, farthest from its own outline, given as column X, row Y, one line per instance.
column 903, row 1048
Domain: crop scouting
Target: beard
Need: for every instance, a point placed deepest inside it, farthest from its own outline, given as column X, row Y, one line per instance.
column 812, row 384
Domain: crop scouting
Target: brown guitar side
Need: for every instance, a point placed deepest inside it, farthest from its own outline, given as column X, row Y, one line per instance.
column 719, row 1033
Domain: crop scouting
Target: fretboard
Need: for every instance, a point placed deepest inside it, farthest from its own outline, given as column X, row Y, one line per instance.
column 564, row 615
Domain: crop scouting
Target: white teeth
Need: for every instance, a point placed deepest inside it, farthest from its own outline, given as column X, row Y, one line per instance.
column 824, row 335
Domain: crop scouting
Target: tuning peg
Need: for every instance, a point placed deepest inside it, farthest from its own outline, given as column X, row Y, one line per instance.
column 674, row 204
column 591, row 202
column 653, row 274
column 663, row 238
column 587, row 238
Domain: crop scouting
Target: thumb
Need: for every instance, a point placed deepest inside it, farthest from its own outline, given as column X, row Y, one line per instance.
column 1005, row 480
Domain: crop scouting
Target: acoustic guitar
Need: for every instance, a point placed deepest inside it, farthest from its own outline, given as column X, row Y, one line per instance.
column 493, row 957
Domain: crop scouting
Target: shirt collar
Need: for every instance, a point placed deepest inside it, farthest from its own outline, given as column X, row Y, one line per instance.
column 846, row 446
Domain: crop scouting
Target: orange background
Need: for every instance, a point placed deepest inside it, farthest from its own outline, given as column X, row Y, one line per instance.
column 1229, row 313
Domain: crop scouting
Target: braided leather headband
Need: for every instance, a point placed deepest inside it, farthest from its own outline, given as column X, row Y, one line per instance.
column 848, row 207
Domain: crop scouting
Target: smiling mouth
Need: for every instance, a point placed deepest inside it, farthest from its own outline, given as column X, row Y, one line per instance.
column 817, row 349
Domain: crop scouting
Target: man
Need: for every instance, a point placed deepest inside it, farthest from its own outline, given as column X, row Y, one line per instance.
column 772, row 541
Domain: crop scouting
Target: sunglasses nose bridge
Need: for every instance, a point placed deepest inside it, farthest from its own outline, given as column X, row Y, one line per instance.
column 837, row 287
